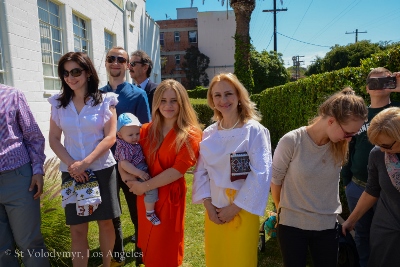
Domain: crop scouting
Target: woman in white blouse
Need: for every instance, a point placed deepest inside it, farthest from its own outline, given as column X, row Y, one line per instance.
column 232, row 176
column 87, row 119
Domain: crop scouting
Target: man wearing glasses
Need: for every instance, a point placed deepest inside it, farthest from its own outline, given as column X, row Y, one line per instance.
column 355, row 172
column 140, row 68
column 132, row 100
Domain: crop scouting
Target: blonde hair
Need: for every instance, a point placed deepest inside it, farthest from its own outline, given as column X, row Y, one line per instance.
column 344, row 106
column 386, row 122
column 246, row 110
column 186, row 127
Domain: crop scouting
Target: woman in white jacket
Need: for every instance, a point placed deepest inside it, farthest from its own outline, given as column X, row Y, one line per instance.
column 233, row 174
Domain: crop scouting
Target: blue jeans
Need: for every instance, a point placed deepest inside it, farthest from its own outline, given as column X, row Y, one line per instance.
column 363, row 226
column 20, row 220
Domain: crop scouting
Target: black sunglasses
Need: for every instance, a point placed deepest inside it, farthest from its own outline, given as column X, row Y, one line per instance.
column 133, row 63
column 111, row 59
column 74, row 72
column 388, row 147
column 346, row 134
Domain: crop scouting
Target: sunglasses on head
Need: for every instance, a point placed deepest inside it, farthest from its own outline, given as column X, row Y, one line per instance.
column 133, row 63
column 388, row 147
column 111, row 59
column 74, row 72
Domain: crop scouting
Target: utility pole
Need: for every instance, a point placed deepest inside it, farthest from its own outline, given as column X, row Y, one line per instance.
column 296, row 65
column 274, row 10
column 356, row 32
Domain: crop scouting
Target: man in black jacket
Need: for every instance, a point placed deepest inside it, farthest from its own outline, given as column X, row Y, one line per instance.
column 140, row 67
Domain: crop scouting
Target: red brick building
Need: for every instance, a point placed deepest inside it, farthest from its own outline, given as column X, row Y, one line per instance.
column 175, row 37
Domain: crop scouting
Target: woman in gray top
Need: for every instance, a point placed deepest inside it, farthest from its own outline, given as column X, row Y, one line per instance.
column 383, row 186
column 305, row 180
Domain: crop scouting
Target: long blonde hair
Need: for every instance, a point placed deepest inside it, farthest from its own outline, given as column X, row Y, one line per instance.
column 344, row 106
column 246, row 110
column 186, row 126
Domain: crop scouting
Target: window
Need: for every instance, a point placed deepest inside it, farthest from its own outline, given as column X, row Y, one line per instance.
column 50, row 42
column 192, row 36
column 176, row 37
column 108, row 41
column 161, row 38
column 81, row 39
column 177, row 59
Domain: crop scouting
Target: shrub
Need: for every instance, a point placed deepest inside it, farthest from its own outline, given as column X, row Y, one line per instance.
column 198, row 92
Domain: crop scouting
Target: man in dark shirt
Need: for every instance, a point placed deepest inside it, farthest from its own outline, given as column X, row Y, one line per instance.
column 355, row 173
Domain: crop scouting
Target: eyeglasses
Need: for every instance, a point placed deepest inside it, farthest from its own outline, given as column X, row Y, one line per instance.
column 388, row 147
column 111, row 59
column 133, row 63
column 346, row 134
column 74, row 72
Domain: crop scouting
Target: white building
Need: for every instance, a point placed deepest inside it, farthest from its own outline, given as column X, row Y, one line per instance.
column 215, row 38
column 34, row 34
column 216, row 31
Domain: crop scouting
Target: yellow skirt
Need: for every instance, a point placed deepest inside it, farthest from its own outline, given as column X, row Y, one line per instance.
column 233, row 244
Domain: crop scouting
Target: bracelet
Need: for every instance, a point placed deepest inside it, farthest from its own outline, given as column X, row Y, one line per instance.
column 204, row 199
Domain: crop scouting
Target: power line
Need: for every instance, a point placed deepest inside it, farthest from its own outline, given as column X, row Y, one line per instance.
column 298, row 25
column 302, row 41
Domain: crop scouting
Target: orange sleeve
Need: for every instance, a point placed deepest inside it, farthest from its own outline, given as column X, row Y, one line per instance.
column 183, row 160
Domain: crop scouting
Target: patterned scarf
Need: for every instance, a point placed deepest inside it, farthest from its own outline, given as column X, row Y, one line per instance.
column 392, row 163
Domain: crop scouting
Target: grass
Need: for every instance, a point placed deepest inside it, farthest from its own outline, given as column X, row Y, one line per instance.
column 57, row 237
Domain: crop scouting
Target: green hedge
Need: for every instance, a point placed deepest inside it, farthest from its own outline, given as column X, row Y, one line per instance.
column 292, row 105
column 204, row 112
column 198, row 92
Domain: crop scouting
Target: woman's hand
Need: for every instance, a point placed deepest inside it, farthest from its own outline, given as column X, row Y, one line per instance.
column 226, row 214
column 136, row 187
column 348, row 225
column 212, row 211
column 77, row 171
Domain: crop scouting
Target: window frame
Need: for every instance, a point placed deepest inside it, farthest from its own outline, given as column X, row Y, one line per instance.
column 106, row 41
column 52, row 81
column 162, row 41
column 177, row 59
column 177, row 37
column 85, row 28
column 195, row 42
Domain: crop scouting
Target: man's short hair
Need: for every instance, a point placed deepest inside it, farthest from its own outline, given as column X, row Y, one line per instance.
column 117, row 48
column 145, row 59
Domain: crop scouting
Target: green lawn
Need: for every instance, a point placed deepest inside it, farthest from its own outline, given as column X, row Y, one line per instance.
column 57, row 238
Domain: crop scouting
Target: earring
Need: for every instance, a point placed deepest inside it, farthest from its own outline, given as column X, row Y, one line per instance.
column 239, row 104
column 88, row 79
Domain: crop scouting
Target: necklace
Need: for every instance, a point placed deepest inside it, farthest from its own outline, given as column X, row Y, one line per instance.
column 220, row 125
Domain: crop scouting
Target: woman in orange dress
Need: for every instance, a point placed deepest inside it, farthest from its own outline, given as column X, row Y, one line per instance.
column 171, row 145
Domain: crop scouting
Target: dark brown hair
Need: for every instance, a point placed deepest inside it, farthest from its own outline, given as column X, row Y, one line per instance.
column 86, row 64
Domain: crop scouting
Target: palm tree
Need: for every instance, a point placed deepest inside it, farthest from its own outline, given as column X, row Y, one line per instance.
column 243, row 10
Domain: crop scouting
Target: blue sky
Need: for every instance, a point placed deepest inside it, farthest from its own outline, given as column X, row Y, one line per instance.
column 309, row 27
